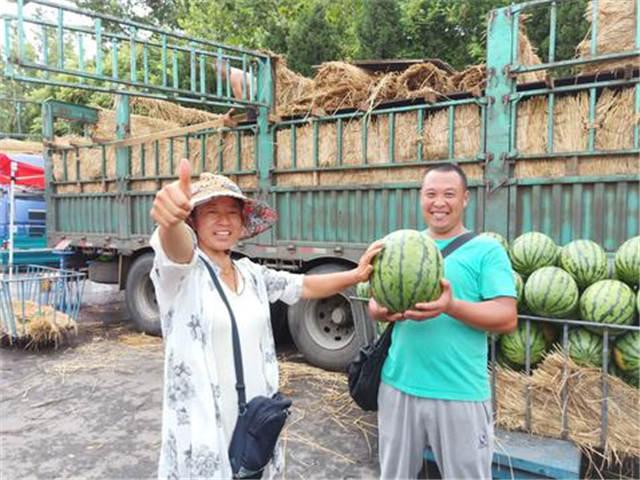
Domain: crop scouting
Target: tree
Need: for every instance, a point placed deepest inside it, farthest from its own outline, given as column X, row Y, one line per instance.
column 313, row 40
column 380, row 32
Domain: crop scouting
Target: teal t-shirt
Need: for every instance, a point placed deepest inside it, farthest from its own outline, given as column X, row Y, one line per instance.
column 445, row 358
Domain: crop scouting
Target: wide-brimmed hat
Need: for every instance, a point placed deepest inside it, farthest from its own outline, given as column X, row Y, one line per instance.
column 257, row 215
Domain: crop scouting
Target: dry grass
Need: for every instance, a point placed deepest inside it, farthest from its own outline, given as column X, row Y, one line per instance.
column 584, row 405
column 527, row 55
column 616, row 119
column 39, row 325
column 424, row 81
column 20, row 146
column 616, row 33
column 473, row 80
column 169, row 111
column 291, row 88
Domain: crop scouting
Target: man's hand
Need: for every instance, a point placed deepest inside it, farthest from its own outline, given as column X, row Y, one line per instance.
column 171, row 205
column 382, row 314
column 427, row 310
column 363, row 270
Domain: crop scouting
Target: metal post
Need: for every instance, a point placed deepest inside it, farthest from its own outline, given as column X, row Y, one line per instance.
column 265, row 133
column 122, row 165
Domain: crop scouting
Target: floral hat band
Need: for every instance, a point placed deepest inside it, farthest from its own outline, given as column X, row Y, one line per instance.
column 257, row 215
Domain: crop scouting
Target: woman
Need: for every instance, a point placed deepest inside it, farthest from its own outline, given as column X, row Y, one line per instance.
column 198, row 223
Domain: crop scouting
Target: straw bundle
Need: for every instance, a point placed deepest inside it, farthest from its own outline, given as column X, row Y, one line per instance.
column 423, row 80
column 531, row 125
column 616, row 33
column 105, row 128
column 40, row 325
column 169, row 111
column 473, row 79
column 616, row 119
column 384, row 89
column 584, row 405
column 291, row 88
column 527, row 55
column 571, row 126
column 10, row 145
column 339, row 85
column 466, row 133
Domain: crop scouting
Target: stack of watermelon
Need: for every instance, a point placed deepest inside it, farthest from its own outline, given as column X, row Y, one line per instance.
column 575, row 281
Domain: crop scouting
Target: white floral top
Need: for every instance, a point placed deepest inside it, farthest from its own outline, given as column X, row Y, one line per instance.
column 197, row 406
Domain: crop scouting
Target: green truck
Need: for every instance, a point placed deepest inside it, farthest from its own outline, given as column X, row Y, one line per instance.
column 339, row 181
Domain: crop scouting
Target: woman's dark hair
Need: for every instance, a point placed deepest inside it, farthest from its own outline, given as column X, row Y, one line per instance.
column 449, row 167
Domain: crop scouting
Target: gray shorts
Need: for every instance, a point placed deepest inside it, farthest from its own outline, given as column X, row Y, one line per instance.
column 460, row 434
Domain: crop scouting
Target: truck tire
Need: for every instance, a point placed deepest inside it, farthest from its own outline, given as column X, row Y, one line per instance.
column 140, row 296
column 103, row 272
column 323, row 329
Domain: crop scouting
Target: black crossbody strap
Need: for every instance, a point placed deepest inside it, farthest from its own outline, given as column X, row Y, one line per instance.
column 237, row 353
column 457, row 243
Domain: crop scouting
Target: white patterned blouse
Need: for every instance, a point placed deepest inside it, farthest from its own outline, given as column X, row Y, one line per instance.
column 200, row 401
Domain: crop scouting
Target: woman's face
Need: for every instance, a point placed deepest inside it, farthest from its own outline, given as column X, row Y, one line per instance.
column 219, row 223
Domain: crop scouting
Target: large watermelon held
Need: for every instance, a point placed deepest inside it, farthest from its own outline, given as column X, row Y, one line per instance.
column 551, row 292
column 585, row 348
column 585, row 260
column 407, row 271
column 499, row 238
column 626, row 353
column 608, row 302
column 513, row 345
column 363, row 290
column 531, row 251
column 627, row 262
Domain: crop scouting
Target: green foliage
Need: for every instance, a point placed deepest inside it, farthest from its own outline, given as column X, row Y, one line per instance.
column 379, row 30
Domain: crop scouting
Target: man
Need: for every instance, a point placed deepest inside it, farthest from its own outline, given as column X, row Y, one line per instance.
column 435, row 389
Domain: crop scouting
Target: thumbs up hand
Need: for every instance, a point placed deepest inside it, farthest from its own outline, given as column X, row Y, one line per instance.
column 171, row 205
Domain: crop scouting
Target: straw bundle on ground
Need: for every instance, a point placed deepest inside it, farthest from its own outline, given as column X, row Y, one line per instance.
column 616, row 32
column 527, row 55
column 473, row 79
column 584, row 405
column 40, row 325
column 423, row 80
column 169, row 111
column 10, row 145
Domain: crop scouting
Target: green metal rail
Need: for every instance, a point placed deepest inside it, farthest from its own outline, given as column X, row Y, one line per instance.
column 15, row 124
column 145, row 61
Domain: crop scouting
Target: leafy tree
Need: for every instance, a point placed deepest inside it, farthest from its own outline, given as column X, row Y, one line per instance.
column 379, row 29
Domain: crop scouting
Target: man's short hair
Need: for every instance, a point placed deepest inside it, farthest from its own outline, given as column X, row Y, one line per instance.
column 449, row 167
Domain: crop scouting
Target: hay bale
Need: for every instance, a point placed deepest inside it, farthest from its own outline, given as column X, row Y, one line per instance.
column 617, row 26
column 383, row 89
column 466, row 133
column 104, row 129
column 290, row 88
column 423, row 80
column 169, row 111
column 584, row 405
column 10, row 145
column 531, row 126
column 571, row 123
column 473, row 79
column 339, row 85
column 40, row 325
column 527, row 55
column 615, row 114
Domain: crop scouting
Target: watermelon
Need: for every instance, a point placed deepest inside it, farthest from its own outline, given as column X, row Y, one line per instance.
column 551, row 292
column 499, row 238
column 585, row 348
column 608, row 302
column 513, row 345
column 531, row 251
column 550, row 332
column 407, row 271
column 363, row 290
column 519, row 289
column 626, row 353
column 631, row 380
column 627, row 262
column 585, row 260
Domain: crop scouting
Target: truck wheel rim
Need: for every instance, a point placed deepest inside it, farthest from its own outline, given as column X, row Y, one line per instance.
column 329, row 322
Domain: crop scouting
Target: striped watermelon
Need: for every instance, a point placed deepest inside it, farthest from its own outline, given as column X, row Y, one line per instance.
column 513, row 345
column 363, row 290
column 407, row 271
column 627, row 262
column 500, row 239
column 631, row 380
column 531, row 251
column 519, row 289
column 608, row 301
column 626, row 353
column 585, row 260
column 585, row 348
column 551, row 292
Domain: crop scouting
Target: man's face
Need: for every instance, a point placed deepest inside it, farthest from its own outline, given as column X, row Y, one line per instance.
column 443, row 199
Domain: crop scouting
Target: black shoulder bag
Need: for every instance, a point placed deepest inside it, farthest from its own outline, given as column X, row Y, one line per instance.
column 259, row 422
column 364, row 372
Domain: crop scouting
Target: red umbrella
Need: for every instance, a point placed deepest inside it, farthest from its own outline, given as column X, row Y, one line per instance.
column 27, row 175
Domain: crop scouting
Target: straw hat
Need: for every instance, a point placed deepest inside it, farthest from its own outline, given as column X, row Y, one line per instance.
column 257, row 216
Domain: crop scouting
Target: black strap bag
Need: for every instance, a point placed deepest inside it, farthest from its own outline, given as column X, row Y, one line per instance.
column 364, row 372
column 259, row 422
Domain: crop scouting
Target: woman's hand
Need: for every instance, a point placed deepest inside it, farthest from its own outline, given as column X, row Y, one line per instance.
column 381, row 314
column 427, row 310
column 363, row 271
column 171, row 205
